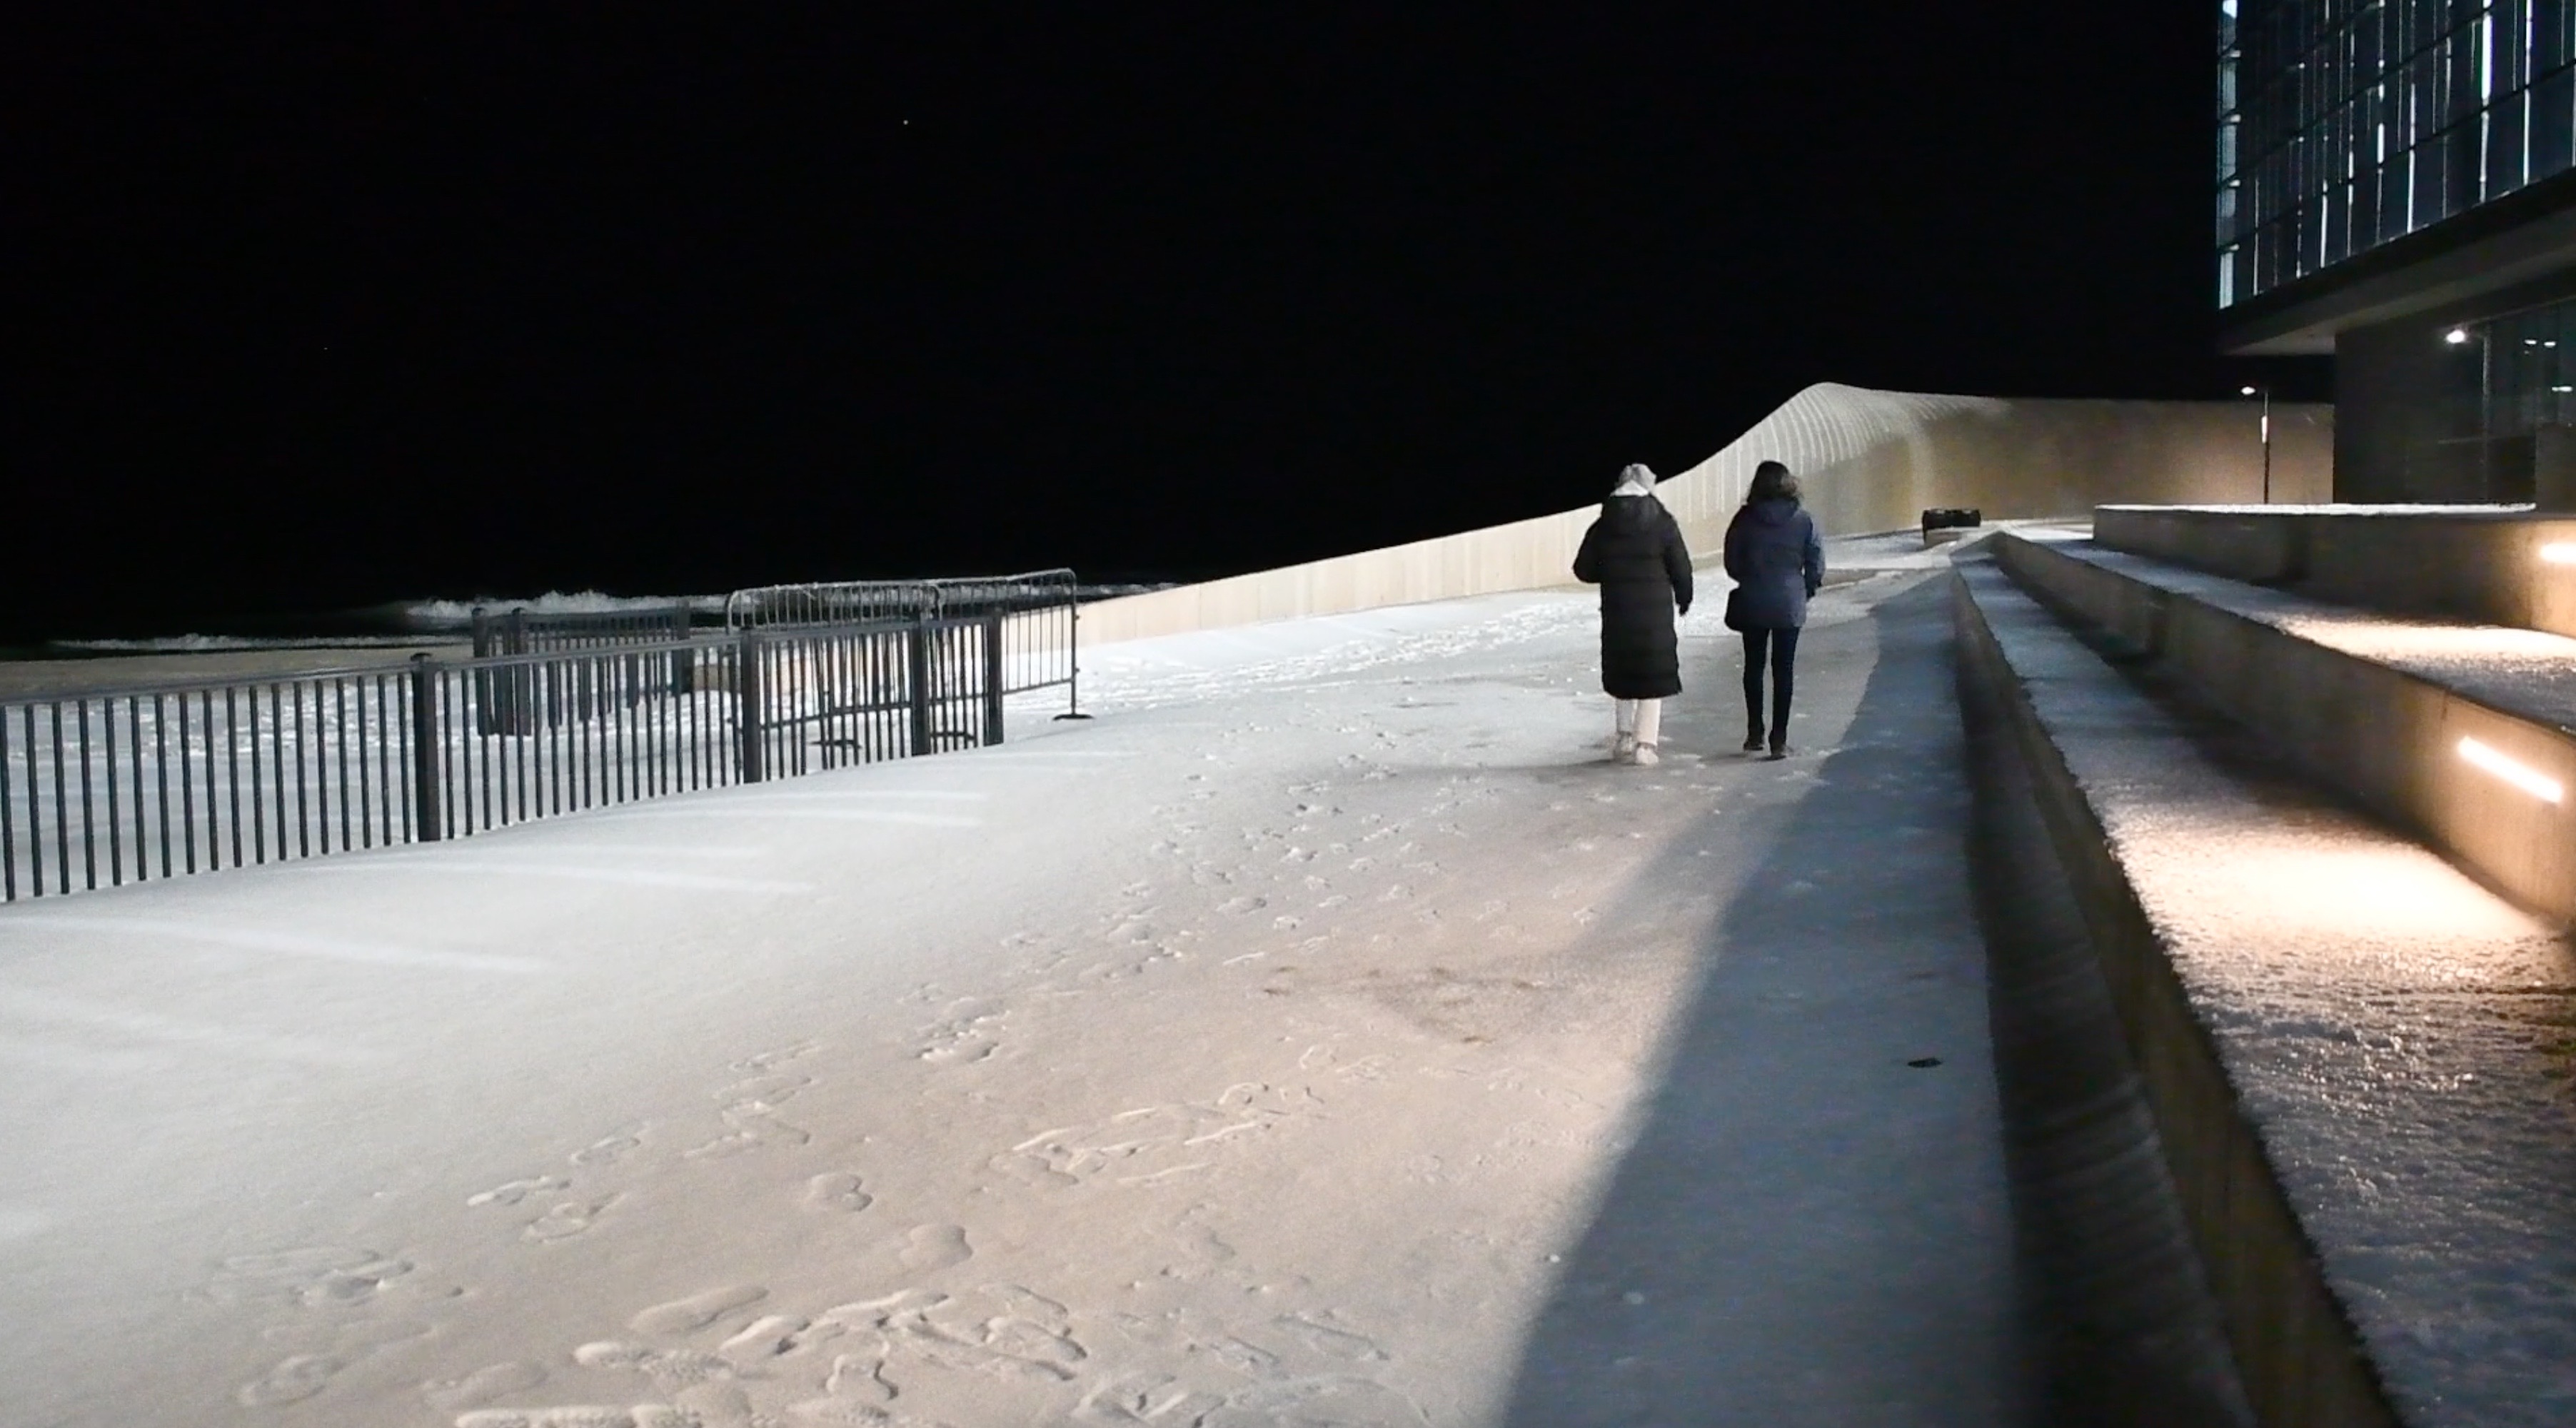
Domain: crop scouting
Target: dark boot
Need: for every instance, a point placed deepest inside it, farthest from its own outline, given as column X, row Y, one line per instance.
column 1753, row 737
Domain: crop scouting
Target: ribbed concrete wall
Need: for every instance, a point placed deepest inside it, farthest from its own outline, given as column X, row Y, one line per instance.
column 1870, row 461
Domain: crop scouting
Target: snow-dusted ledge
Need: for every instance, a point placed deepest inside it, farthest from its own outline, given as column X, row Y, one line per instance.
column 2496, row 564
column 1870, row 461
column 2353, row 1049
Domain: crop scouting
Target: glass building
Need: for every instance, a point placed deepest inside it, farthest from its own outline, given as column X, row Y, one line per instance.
column 2345, row 125
column 2396, row 185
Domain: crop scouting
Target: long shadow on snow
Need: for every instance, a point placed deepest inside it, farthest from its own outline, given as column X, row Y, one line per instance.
column 1804, row 1231
column 1807, row 1229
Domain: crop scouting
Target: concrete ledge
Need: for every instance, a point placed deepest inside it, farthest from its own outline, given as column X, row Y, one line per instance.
column 2347, row 1044
column 2475, row 563
column 2373, row 706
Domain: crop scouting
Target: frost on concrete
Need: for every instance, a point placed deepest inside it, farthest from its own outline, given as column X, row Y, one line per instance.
column 2397, row 1034
column 1260, row 1052
column 2327, row 508
column 2525, row 672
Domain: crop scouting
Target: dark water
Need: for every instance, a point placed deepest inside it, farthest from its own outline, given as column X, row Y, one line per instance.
column 393, row 624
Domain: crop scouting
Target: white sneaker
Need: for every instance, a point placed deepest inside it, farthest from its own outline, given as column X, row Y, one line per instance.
column 1644, row 756
column 1624, row 749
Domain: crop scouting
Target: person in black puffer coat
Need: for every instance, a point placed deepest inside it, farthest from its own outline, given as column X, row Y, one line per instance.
column 1776, row 561
column 1634, row 552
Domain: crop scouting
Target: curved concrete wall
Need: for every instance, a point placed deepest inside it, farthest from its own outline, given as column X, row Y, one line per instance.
column 1870, row 461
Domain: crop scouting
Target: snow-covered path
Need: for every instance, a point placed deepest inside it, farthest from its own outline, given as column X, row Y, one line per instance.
column 1325, row 1034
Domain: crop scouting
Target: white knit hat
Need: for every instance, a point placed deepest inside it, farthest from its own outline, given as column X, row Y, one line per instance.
column 1634, row 474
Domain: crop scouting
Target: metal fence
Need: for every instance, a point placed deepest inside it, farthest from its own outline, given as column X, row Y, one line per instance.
column 519, row 630
column 854, row 602
column 1034, row 615
column 126, row 785
column 513, row 704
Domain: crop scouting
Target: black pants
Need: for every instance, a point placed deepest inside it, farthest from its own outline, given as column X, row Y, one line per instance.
column 1781, row 649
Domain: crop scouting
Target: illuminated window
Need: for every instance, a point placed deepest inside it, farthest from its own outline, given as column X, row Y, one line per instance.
column 2343, row 124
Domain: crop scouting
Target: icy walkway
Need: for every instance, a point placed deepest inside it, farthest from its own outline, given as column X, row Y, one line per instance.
column 1325, row 1035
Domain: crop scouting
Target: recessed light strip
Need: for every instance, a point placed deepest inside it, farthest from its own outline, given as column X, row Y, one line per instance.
column 2529, row 780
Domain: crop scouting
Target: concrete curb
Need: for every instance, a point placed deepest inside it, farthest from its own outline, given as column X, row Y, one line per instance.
column 2472, row 563
column 2300, row 1357
column 2382, row 733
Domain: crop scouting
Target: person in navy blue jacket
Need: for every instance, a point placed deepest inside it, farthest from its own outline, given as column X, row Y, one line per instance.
column 1776, row 561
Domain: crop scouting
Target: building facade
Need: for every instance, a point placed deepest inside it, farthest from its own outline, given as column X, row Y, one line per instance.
column 2397, row 187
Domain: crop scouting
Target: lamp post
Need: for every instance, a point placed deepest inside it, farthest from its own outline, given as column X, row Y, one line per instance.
column 2461, row 337
column 2266, row 394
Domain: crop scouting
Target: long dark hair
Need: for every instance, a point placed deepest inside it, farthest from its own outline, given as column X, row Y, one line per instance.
column 1772, row 482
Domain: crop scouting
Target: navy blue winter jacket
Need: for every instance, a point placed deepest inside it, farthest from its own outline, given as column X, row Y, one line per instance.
column 1776, row 561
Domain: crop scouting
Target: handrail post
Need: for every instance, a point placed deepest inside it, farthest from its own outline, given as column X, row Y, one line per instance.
column 426, row 761
column 747, row 709
column 993, row 678
column 1073, row 656
column 917, row 649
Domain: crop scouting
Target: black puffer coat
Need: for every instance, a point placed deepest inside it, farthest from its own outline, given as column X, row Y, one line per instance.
column 1634, row 552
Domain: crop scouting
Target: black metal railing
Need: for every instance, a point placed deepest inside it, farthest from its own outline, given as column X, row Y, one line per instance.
column 1037, row 614
column 520, row 630
column 511, row 706
column 126, row 785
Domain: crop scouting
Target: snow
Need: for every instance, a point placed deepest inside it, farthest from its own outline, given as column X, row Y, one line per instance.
column 1324, row 1034
column 2527, row 673
column 2393, row 1030
column 2497, row 510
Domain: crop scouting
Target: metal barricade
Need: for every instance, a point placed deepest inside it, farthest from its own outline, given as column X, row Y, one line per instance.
column 507, row 708
column 115, row 786
column 1032, row 620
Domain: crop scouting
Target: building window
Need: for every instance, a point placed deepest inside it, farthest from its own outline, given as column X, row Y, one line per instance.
column 2346, row 124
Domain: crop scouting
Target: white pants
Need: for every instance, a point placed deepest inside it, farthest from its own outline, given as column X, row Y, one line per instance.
column 1638, row 719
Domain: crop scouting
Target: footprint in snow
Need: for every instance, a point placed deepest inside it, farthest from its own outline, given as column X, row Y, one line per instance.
column 837, row 1191
column 300, row 1376
column 681, row 1316
column 569, row 1218
column 454, row 1395
column 589, row 1415
column 292, row 1380
column 928, row 1248
column 669, row 1369
column 769, row 1060
column 611, row 1148
column 311, row 1275
column 516, row 1191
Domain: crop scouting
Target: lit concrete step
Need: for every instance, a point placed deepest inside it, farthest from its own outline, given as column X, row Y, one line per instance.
column 2461, row 734
column 2356, row 1054
column 2487, row 565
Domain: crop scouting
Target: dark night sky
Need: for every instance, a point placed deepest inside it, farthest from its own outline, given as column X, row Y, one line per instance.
column 312, row 313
